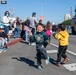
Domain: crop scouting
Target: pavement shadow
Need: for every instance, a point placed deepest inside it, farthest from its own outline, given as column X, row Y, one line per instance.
column 52, row 61
column 42, row 57
column 26, row 60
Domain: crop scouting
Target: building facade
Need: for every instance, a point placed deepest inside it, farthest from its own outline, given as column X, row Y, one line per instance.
column 67, row 17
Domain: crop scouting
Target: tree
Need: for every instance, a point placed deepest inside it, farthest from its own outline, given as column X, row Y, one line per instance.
column 67, row 22
column 75, row 16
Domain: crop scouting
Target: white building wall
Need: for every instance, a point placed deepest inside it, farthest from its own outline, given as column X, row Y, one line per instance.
column 67, row 16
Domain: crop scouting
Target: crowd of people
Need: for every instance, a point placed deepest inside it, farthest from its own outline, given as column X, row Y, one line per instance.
column 32, row 30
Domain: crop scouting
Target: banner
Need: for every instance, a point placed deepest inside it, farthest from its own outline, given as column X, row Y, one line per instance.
column 42, row 18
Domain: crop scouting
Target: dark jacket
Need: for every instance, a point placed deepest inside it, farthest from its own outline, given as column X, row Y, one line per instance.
column 3, row 35
column 27, row 23
column 40, row 38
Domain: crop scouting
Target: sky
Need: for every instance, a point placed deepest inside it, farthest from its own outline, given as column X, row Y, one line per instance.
column 52, row 10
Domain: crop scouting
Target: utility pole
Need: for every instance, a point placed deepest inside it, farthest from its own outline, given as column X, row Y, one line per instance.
column 41, row 6
column 71, row 13
column 11, row 10
column 75, row 11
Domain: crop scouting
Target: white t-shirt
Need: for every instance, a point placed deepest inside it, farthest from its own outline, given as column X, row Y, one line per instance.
column 32, row 22
column 6, row 20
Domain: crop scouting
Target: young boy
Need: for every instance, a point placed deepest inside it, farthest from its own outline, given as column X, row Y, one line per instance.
column 62, row 36
column 40, row 38
column 3, row 39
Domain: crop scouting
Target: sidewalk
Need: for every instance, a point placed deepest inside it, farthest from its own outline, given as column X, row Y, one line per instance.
column 13, row 41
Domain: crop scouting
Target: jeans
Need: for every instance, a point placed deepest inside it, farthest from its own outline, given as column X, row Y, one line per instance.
column 3, row 42
column 7, row 29
column 17, row 32
column 27, row 35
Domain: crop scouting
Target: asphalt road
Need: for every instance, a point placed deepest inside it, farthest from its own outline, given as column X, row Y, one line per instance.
column 20, row 59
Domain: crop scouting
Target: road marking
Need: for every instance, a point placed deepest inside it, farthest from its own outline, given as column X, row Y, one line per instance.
column 51, row 51
column 70, row 67
column 67, row 50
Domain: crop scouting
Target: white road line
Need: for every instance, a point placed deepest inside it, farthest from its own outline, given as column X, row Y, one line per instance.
column 52, row 51
column 70, row 67
column 67, row 50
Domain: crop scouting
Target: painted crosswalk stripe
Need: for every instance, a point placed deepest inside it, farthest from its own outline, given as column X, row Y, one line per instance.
column 69, row 51
column 51, row 51
column 70, row 67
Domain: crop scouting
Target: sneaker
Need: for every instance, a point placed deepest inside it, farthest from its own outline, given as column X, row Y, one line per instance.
column 65, row 60
column 47, row 60
column 33, row 44
column 1, row 51
column 58, row 64
column 29, row 43
column 40, row 67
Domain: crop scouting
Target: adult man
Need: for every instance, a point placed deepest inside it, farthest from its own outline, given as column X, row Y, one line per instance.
column 33, row 22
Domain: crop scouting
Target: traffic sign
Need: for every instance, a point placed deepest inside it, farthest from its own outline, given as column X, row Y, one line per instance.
column 3, row 2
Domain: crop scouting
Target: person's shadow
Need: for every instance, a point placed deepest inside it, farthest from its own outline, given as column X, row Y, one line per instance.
column 52, row 61
column 26, row 60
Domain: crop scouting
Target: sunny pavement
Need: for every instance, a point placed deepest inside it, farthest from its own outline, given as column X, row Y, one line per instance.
column 20, row 59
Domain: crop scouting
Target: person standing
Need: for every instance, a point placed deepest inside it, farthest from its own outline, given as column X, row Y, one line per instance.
column 33, row 22
column 17, row 29
column 27, row 29
column 6, row 22
column 63, row 37
column 49, row 30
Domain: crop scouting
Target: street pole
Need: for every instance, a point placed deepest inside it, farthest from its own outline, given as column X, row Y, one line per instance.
column 41, row 5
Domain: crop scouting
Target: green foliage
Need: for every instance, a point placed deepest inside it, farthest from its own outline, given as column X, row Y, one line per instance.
column 67, row 22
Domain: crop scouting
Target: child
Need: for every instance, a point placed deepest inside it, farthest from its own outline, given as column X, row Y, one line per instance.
column 49, row 30
column 62, row 36
column 3, row 39
column 40, row 38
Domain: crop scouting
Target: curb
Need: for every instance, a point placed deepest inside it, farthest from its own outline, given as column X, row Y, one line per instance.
column 14, row 42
